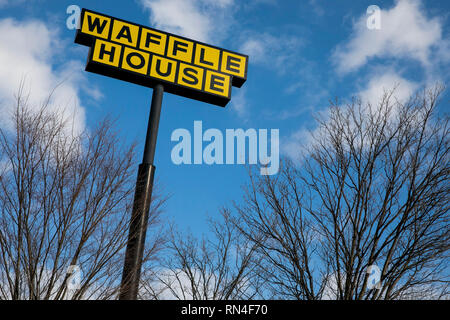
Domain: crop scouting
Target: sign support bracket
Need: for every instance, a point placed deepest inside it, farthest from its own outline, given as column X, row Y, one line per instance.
column 141, row 206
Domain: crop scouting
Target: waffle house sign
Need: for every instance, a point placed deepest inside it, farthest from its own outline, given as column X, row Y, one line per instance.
column 146, row 56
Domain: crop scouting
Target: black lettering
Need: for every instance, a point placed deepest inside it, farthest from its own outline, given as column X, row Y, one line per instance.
column 192, row 74
column 149, row 39
column 141, row 58
column 202, row 58
column 231, row 64
column 158, row 68
column 178, row 46
column 96, row 24
column 214, row 82
column 108, row 53
column 125, row 33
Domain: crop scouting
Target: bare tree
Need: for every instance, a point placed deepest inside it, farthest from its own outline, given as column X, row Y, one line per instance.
column 64, row 207
column 214, row 268
column 372, row 190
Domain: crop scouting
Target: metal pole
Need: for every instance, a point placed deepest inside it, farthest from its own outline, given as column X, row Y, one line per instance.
column 142, row 196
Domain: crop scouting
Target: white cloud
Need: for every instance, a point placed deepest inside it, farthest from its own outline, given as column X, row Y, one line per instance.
column 294, row 145
column 4, row 3
column 278, row 52
column 176, row 284
column 203, row 20
column 316, row 8
column 406, row 32
column 386, row 81
column 239, row 102
column 29, row 58
column 297, row 144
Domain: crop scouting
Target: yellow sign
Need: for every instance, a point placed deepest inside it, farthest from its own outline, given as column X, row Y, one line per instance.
column 146, row 56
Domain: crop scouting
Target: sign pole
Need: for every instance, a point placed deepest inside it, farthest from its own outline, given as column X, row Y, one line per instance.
column 142, row 198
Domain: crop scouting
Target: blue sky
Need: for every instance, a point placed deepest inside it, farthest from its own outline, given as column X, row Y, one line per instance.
column 301, row 54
